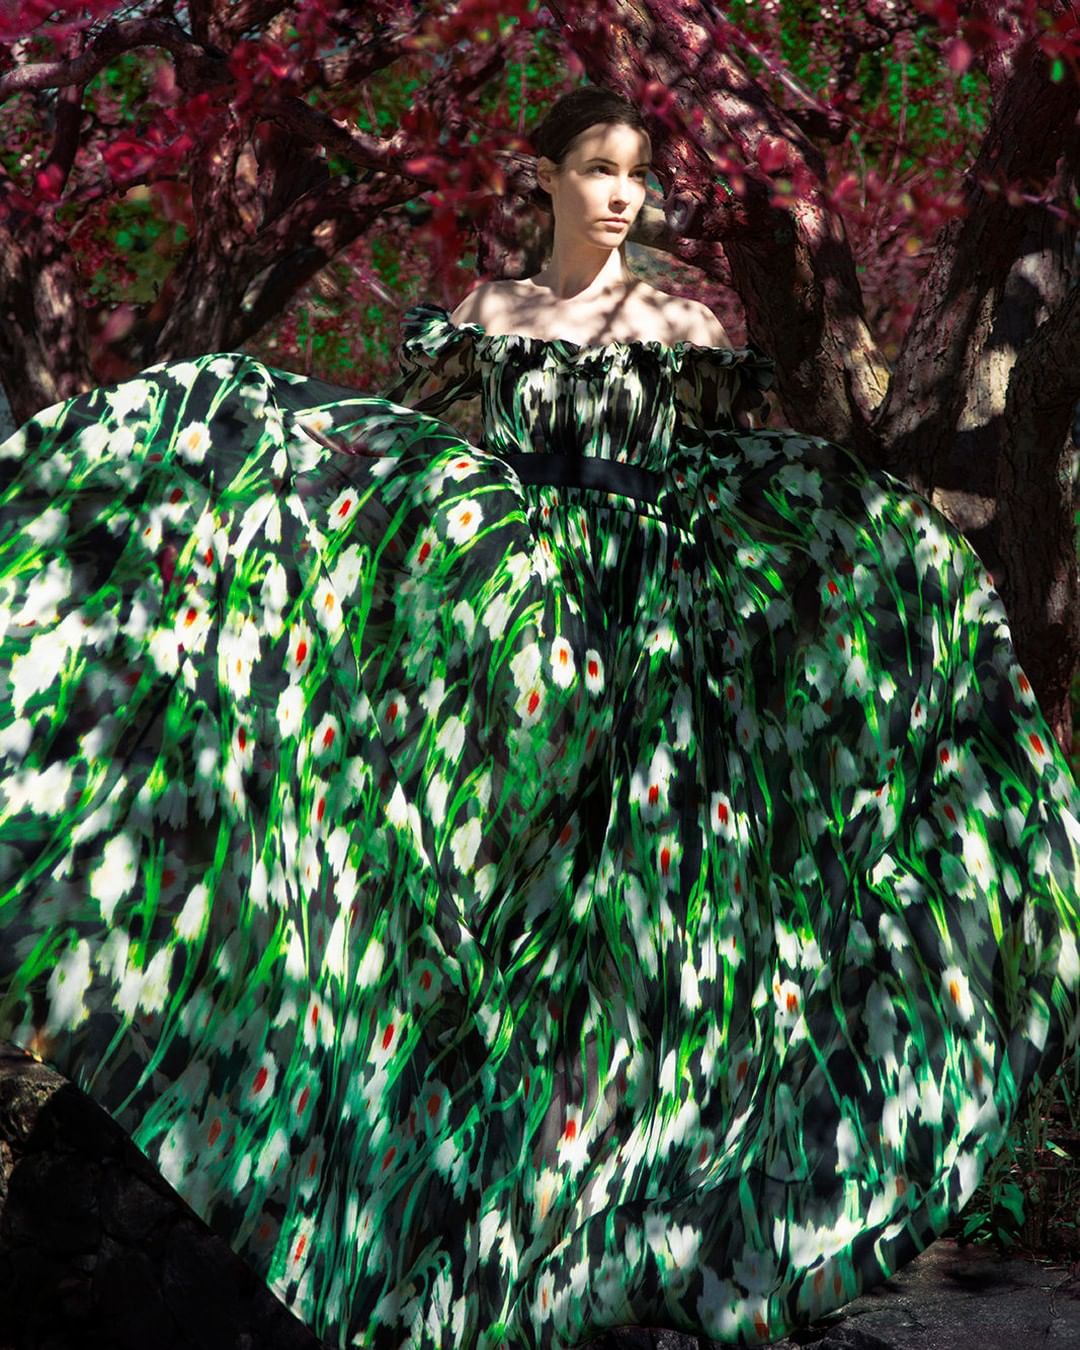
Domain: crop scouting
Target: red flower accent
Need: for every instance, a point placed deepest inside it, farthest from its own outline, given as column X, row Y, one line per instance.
column 215, row 1132
column 301, row 653
column 388, row 1036
column 1039, row 749
column 534, row 700
column 260, row 1079
column 571, row 1130
column 302, row 1103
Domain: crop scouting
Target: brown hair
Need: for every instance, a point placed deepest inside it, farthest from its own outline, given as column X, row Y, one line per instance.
column 566, row 119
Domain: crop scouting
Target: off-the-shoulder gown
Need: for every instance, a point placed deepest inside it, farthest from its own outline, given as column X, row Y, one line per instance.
column 615, row 873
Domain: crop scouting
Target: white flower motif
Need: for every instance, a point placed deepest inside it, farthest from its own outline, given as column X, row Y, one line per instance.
column 1068, row 965
column 15, row 739
column 563, row 668
column 722, row 816
column 525, row 666
column 789, row 1002
column 463, row 520
column 530, row 704
column 464, row 843
column 193, row 441
column 189, row 922
column 290, row 710
column 462, row 614
column 393, row 712
column 436, row 795
column 68, row 983
column 495, row 616
column 594, row 671
column 115, row 875
column 326, row 736
column 298, row 660
column 128, row 397
column 343, row 508
column 668, row 854
column 185, row 372
column 651, row 792
column 327, row 606
column 689, row 996
column 347, row 571
column 461, row 467
column 46, row 590
column 47, row 528
column 451, row 738
column 191, row 625
column 239, row 650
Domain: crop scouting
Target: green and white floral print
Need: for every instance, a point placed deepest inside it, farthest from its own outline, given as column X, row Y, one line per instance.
column 508, row 909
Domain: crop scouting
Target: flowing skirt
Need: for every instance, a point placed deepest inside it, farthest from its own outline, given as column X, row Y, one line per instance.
column 505, row 910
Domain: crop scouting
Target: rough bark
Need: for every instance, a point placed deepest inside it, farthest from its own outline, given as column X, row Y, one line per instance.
column 44, row 343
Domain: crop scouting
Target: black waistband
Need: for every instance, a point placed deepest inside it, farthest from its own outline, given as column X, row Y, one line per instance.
column 629, row 480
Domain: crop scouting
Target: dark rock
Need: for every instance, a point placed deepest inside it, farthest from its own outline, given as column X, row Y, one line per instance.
column 97, row 1252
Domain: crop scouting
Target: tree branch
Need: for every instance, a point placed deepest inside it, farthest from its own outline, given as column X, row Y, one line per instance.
column 110, row 43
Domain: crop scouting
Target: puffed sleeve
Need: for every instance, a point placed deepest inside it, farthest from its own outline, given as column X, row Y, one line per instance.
column 724, row 387
column 437, row 361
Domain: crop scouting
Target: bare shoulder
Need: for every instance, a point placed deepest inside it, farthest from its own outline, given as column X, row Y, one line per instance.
column 481, row 303
column 686, row 320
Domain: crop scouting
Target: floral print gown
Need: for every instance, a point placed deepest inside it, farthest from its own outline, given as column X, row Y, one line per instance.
column 613, row 874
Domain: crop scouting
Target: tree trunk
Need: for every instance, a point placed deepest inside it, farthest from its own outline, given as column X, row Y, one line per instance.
column 44, row 343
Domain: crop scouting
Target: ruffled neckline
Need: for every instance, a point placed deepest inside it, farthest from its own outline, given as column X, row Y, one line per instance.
column 427, row 311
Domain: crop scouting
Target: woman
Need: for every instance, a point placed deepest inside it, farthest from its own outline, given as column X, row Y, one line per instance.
column 616, row 874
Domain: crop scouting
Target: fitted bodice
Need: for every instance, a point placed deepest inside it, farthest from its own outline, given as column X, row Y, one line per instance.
column 624, row 401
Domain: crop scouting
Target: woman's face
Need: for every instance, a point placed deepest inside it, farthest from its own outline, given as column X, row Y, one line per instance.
column 602, row 176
